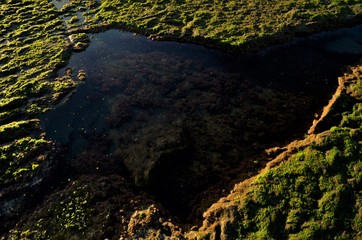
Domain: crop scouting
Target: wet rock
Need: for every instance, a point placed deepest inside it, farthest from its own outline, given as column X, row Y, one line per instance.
column 68, row 73
column 79, row 41
column 81, row 75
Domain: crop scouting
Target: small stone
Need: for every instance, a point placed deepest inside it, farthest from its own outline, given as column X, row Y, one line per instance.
column 81, row 75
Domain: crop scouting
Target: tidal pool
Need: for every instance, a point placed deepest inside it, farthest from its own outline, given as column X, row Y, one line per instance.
column 185, row 122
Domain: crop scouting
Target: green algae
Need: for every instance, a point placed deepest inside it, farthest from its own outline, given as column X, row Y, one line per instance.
column 13, row 130
column 11, row 103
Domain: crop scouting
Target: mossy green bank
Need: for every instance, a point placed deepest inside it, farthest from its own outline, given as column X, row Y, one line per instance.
column 32, row 47
column 234, row 25
column 311, row 190
column 315, row 194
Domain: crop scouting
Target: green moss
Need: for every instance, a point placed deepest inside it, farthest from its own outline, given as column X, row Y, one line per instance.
column 353, row 119
column 32, row 47
column 8, row 116
column 315, row 194
column 63, row 86
column 309, row 196
column 65, row 218
column 11, row 103
column 22, row 158
column 13, row 130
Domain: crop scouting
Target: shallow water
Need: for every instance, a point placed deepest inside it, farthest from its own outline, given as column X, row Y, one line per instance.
column 185, row 120
column 59, row 3
column 80, row 17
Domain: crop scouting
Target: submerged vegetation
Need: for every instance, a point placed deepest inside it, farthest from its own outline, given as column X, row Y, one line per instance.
column 313, row 193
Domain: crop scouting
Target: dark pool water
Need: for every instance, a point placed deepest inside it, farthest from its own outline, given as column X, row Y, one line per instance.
column 184, row 121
